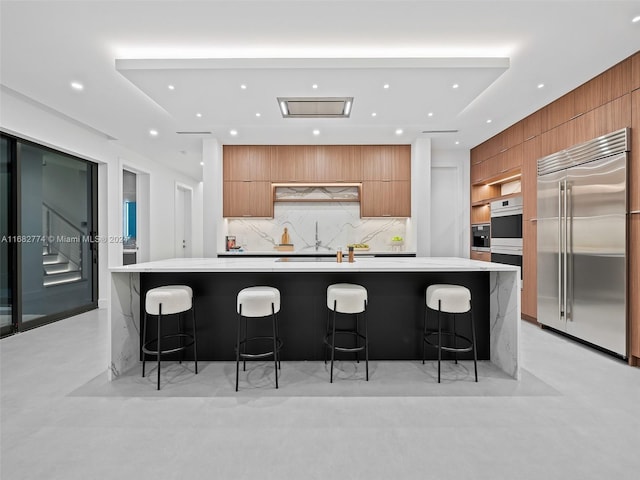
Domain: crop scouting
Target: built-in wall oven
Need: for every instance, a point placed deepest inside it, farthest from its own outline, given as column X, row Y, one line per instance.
column 506, row 231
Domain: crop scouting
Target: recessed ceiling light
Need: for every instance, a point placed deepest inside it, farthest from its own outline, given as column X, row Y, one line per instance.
column 233, row 132
column 636, row 19
column 199, row 115
column 430, row 114
column 202, row 163
column 171, row 87
column 314, row 86
column 257, row 114
column 386, row 85
column 374, row 114
column 399, row 131
column 243, row 86
column 455, row 85
column 488, row 120
column 457, row 142
column 153, row 133
column 541, row 85
column 316, row 132
column 77, row 86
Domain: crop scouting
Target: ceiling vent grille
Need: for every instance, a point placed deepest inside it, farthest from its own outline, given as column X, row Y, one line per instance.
column 315, row 107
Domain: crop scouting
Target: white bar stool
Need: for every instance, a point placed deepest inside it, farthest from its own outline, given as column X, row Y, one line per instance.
column 168, row 300
column 450, row 299
column 258, row 302
column 352, row 299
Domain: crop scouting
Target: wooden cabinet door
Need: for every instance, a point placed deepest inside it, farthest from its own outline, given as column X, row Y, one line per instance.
column 247, row 199
column 613, row 116
column 482, row 256
column 530, row 156
column 635, row 71
column 559, row 112
column 634, row 157
column 532, row 125
column 339, row 163
column 386, row 199
column 607, row 86
column 476, row 173
column 246, row 162
column 294, row 163
column 386, row 162
column 529, row 302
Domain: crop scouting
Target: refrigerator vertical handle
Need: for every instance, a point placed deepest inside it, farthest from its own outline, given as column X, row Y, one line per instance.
column 564, row 251
column 568, row 254
column 560, row 243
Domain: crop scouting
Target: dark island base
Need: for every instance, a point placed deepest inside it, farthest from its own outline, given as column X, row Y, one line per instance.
column 395, row 311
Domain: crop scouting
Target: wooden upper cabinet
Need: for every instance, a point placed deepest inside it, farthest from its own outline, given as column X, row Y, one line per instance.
column 607, row 86
column 613, row 116
column 530, row 156
column 635, row 71
column 246, row 162
column 558, row 112
column 294, row 163
column 247, row 199
column 634, row 158
column 386, row 162
column 386, row 199
column 532, row 125
column 339, row 163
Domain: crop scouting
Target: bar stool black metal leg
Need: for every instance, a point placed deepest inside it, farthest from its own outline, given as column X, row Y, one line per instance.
column 455, row 339
column 326, row 333
column 366, row 342
column 439, row 338
column 357, row 337
column 180, row 330
column 195, row 338
column 275, row 341
column 473, row 338
column 333, row 340
column 238, row 348
column 424, row 334
column 159, row 339
column 278, row 336
column 244, row 345
column 144, row 339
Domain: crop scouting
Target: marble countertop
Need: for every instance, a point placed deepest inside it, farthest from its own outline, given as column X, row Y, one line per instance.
column 320, row 253
column 380, row 264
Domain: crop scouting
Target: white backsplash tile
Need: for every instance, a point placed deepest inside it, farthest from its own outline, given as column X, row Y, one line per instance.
column 339, row 224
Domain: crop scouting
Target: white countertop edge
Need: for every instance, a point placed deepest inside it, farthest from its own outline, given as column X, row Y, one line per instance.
column 384, row 264
column 312, row 253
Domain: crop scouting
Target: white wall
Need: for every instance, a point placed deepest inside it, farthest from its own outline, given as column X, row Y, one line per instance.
column 28, row 120
column 420, row 224
column 449, row 186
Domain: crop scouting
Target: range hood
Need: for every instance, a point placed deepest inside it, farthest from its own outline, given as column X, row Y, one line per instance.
column 315, row 107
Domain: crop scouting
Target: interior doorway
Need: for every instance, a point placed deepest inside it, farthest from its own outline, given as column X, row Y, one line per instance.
column 183, row 223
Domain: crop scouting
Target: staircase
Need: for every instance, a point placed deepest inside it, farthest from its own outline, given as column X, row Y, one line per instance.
column 62, row 253
column 58, row 269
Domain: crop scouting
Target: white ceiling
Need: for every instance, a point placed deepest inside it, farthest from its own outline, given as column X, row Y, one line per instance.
column 127, row 53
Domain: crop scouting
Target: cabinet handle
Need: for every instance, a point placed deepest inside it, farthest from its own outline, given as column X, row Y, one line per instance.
column 529, row 138
column 576, row 116
column 634, row 211
column 533, row 220
column 247, row 215
column 503, row 150
column 386, row 214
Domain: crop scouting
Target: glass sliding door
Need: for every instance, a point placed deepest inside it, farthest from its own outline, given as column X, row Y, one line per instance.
column 53, row 247
column 6, row 257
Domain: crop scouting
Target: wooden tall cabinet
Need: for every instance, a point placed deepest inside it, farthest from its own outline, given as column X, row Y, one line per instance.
column 604, row 104
column 246, row 173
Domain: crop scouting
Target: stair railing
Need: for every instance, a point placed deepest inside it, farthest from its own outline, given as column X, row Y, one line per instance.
column 62, row 236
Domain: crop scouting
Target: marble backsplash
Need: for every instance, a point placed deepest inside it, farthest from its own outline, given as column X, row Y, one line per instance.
column 339, row 224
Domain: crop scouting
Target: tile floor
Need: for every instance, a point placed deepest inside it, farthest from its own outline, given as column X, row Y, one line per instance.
column 574, row 415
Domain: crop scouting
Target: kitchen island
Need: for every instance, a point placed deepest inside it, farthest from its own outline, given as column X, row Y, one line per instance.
column 395, row 312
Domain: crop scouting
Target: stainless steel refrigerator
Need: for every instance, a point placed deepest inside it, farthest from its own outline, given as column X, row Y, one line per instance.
column 582, row 208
